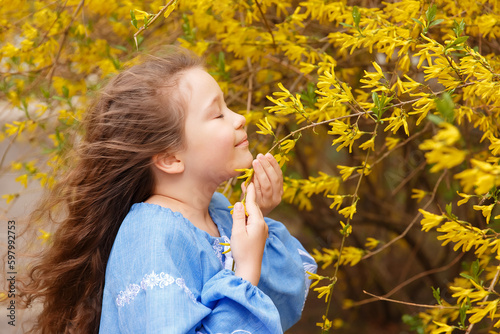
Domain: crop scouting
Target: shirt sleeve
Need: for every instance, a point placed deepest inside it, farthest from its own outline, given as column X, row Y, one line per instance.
column 284, row 275
column 175, row 294
column 284, row 270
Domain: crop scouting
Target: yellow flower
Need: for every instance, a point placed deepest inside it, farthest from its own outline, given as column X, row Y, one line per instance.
column 45, row 236
column 346, row 171
column 324, row 291
column 371, row 243
column 430, row 220
column 316, row 277
column 10, row 197
column 486, row 210
column 265, row 127
column 348, row 211
column 391, row 142
column 346, row 229
column 495, row 145
column 326, row 324
column 369, row 144
column 337, row 200
column 465, row 198
column 16, row 165
column 141, row 15
column 443, row 328
column 418, row 194
column 23, row 179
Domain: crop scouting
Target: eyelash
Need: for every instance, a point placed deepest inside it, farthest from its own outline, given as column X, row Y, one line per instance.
column 220, row 116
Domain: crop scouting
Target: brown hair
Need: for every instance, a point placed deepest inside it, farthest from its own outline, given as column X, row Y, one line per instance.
column 137, row 115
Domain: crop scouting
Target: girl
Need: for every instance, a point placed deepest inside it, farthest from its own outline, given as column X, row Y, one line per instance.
column 143, row 245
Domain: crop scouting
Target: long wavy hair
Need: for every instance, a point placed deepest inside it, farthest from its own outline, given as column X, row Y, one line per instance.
column 137, row 115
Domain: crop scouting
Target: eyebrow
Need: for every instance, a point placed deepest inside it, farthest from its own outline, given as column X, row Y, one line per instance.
column 214, row 101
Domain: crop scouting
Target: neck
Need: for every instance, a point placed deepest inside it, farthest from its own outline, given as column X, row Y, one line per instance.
column 191, row 201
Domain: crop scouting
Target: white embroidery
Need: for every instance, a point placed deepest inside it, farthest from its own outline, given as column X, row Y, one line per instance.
column 218, row 249
column 182, row 285
column 226, row 260
column 149, row 281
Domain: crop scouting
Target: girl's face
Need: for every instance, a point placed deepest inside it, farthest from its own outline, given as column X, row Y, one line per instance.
column 216, row 141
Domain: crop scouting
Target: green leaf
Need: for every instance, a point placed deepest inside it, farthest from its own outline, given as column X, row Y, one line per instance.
column 65, row 91
column 449, row 207
column 418, row 21
column 356, row 15
column 445, row 107
column 346, row 25
column 437, row 295
column 433, row 23
column 464, row 275
column 435, row 119
column 463, row 312
column 430, row 14
column 134, row 20
column 458, row 28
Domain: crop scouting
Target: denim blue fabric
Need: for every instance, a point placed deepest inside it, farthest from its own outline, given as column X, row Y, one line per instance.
column 164, row 275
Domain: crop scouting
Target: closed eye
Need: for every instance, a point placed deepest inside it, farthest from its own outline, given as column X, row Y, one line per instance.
column 220, row 116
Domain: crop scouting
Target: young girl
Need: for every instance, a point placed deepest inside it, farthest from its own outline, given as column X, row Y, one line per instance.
column 143, row 247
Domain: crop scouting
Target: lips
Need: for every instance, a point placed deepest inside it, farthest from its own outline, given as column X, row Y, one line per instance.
column 243, row 142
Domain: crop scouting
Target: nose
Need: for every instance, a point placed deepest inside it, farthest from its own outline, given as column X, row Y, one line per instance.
column 239, row 121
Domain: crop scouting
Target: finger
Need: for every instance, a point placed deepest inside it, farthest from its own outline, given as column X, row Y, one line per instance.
column 278, row 172
column 252, row 206
column 263, row 184
column 243, row 191
column 272, row 173
column 239, row 219
column 275, row 165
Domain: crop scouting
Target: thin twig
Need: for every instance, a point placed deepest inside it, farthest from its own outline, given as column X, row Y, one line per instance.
column 408, row 178
column 344, row 236
column 410, row 280
column 410, row 304
column 265, row 22
column 8, row 148
column 408, row 228
column 315, row 124
column 63, row 41
column 490, row 289
column 156, row 16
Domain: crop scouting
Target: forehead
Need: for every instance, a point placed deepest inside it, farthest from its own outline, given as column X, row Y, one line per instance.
column 197, row 85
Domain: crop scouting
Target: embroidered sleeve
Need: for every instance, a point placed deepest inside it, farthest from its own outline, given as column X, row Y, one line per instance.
column 151, row 281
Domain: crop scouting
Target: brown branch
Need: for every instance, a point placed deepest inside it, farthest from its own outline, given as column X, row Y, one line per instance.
column 410, row 280
column 150, row 22
column 315, row 124
column 63, row 41
column 490, row 289
column 8, row 148
column 409, row 304
column 265, row 22
column 408, row 178
column 408, row 228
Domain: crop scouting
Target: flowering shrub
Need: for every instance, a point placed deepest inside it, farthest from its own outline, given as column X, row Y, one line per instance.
column 383, row 117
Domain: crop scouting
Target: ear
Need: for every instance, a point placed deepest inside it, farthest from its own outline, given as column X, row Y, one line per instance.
column 167, row 163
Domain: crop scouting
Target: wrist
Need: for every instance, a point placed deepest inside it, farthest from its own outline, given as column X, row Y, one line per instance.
column 249, row 272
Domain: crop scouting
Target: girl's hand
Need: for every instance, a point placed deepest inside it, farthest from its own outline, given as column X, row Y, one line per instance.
column 248, row 238
column 268, row 180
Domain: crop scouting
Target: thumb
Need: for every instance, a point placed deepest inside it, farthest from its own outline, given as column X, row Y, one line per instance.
column 252, row 206
column 243, row 190
column 239, row 217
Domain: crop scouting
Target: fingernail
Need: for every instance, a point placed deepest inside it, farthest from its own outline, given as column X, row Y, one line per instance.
column 260, row 156
column 238, row 206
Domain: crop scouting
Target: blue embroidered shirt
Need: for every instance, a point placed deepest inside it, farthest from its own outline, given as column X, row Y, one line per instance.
column 164, row 275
